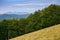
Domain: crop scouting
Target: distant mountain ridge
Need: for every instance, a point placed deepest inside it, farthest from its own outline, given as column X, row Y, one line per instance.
column 20, row 13
column 9, row 16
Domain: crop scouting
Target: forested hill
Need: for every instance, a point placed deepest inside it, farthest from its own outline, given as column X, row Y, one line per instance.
column 38, row 20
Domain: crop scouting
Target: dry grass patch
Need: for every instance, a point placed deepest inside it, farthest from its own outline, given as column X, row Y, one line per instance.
column 50, row 33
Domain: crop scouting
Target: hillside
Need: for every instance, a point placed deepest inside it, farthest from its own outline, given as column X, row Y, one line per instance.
column 50, row 33
column 38, row 20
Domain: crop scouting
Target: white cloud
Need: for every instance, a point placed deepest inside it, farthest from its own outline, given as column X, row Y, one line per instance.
column 30, row 7
column 32, row 4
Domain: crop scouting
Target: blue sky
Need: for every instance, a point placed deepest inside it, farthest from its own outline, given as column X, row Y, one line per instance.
column 24, row 5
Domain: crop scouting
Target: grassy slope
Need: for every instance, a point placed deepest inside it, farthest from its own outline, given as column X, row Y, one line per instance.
column 50, row 33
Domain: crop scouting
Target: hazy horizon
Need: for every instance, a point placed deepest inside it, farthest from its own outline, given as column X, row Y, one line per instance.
column 28, row 6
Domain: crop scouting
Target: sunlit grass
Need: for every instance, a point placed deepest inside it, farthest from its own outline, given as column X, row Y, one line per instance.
column 50, row 33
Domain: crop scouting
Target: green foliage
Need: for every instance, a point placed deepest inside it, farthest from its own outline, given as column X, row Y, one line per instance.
column 38, row 20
